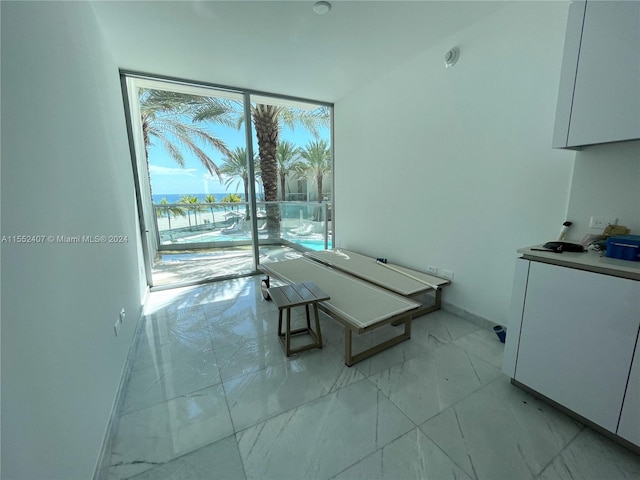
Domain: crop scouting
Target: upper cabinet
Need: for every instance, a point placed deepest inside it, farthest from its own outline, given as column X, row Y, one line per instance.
column 599, row 94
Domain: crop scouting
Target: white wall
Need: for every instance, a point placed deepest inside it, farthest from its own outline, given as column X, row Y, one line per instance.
column 454, row 167
column 65, row 171
column 606, row 184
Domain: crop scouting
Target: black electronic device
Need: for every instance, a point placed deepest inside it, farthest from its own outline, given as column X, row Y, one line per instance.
column 560, row 247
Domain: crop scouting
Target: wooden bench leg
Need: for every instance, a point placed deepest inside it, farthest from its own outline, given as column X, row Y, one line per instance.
column 264, row 286
column 351, row 359
column 437, row 305
column 318, row 332
column 288, row 339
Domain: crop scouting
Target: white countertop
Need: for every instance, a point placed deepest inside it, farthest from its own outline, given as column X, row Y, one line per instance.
column 590, row 261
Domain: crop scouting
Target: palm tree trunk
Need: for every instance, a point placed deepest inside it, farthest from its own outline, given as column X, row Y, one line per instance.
column 265, row 120
column 319, row 179
column 245, row 181
column 283, row 184
column 147, row 141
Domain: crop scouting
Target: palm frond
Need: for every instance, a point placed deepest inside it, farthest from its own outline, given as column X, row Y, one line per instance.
column 311, row 120
column 174, row 152
column 169, row 117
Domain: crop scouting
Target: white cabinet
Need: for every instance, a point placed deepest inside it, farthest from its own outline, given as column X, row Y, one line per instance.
column 514, row 325
column 576, row 340
column 570, row 54
column 599, row 94
column 629, row 427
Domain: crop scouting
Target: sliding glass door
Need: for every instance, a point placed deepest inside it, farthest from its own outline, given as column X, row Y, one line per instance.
column 292, row 142
column 219, row 175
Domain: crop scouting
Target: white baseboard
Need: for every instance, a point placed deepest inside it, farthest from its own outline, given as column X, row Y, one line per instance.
column 102, row 464
column 471, row 317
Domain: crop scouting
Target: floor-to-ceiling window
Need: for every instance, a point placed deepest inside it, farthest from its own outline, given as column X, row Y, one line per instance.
column 218, row 174
column 292, row 144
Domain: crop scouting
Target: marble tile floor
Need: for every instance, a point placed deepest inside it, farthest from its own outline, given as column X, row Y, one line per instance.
column 211, row 395
column 183, row 267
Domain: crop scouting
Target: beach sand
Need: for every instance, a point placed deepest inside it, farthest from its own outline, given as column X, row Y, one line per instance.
column 201, row 217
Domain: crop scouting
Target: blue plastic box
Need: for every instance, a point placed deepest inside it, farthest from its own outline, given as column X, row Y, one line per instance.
column 624, row 247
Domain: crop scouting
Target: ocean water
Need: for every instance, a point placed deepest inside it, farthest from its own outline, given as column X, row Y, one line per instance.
column 175, row 197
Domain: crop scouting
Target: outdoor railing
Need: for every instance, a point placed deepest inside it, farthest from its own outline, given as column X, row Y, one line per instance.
column 307, row 197
column 303, row 225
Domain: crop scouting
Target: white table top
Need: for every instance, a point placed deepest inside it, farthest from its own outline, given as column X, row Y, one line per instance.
column 368, row 269
column 357, row 301
column 590, row 261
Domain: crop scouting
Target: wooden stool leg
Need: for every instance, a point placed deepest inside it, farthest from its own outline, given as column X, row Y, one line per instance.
column 288, row 338
column 280, row 334
column 318, row 332
column 306, row 307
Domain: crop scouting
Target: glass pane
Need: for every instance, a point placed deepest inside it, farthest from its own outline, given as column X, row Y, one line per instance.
column 294, row 162
column 197, row 180
column 197, row 167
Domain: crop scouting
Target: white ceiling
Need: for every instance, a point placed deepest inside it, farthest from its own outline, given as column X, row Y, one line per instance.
column 279, row 47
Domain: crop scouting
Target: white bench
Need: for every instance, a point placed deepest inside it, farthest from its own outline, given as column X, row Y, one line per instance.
column 358, row 305
column 401, row 280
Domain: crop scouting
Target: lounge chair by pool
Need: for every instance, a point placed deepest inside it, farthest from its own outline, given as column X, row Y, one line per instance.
column 235, row 228
column 302, row 232
column 300, row 228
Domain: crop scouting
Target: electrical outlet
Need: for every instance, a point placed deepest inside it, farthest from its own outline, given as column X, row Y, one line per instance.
column 600, row 223
column 448, row 274
column 432, row 269
column 116, row 327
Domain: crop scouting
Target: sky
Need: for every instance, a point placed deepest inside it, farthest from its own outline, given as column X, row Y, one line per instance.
column 167, row 177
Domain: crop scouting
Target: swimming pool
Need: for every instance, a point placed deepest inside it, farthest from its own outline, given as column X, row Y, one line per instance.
column 216, row 237
column 311, row 244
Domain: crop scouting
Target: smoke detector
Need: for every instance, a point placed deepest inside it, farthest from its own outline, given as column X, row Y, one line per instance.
column 321, row 7
column 451, row 57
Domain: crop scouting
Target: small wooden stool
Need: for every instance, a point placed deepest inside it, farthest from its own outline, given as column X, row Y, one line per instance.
column 295, row 295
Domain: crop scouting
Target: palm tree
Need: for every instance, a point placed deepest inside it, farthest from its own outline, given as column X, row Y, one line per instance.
column 232, row 198
column 167, row 117
column 171, row 208
column 267, row 121
column 235, row 168
column 196, row 206
column 287, row 154
column 317, row 156
column 211, row 199
column 190, row 202
column 183, row 201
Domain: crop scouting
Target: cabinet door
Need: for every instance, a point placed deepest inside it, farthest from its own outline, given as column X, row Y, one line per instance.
column 515, row 316
column 606, row 100
column 629, row 427
column 576, row 343
column 573, row 37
